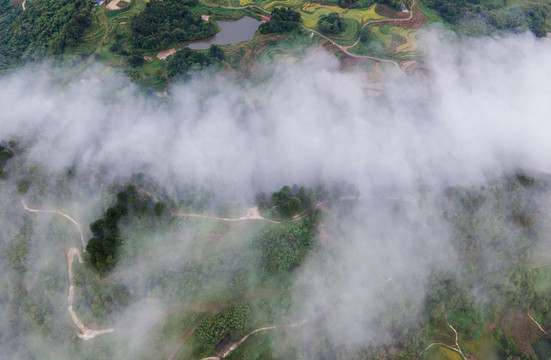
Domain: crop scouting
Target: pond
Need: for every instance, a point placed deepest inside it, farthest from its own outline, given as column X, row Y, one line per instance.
column 231, row 32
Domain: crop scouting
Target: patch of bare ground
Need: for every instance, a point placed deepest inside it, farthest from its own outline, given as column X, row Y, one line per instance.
column 114, row 4
column 387, row 11
column 162, row 55
column 522, row 329
column 417, row 19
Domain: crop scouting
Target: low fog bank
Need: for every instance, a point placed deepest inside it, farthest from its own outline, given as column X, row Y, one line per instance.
column 481, row 110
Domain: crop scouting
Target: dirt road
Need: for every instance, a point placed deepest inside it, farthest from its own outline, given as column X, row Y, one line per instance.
column 55, row 211
column 85, row 332
column 252, row 214
column 232, row 346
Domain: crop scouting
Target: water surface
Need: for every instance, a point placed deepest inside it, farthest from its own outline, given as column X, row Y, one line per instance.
column 231, row 32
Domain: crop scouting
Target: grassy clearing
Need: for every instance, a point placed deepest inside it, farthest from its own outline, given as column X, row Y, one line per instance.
column 485, row 348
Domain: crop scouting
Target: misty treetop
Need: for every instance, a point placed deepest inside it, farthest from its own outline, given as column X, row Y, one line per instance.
column 164, row 23
column 495, row 16
column 290, row 201
column 104, row 247
column 6, row 153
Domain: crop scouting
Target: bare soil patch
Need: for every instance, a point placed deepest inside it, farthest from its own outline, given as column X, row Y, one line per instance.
column 114, row 4
column 522, row 329
column 387, row 11
column 417, row 19
column 162, row 55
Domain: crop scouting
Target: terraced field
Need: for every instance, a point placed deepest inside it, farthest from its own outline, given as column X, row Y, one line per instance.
column 311, row 13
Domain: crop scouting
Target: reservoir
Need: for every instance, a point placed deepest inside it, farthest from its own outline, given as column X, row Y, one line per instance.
column 231, row 32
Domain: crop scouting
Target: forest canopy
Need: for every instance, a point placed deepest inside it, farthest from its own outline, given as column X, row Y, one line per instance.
column 282, row 20
column 164, row 23
column 45, row 28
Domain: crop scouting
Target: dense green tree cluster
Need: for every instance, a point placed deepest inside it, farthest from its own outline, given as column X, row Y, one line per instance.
column 187, row 59
column 285, row 248
column 45, row 28
column 497, row 16
column 331, row 24
column 282, row 20
column 164, row 23
column 290, row 201
column 6, row 153
column 366, row 34
column 230, row 323
column 452, row 10
column 103, row 248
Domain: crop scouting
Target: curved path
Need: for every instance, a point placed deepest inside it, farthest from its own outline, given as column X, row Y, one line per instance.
column 55, row 211
column 85, row 332
column 225, row 352
column 383, row 20
column 457, row 349
column 252, row 214
column 343, row 49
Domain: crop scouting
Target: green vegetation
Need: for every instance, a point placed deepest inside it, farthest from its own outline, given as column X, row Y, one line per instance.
column 230, row 323
column 187, row 59
column 220, row 280
column 331, row 24
column 6, row 153
column 284, row 249
column 165, row 23
column 292, row 201
column 282, row 20
column 104, row 247
column 46, row 28
column 480, row 18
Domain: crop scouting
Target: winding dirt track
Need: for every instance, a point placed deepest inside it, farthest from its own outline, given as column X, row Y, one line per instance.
column 86, row 333
column 343, row 49
column 383, row 20
column 225, row 352
column 537, row 323
column 252, row 214
column 55, row 211
column 457, row 350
